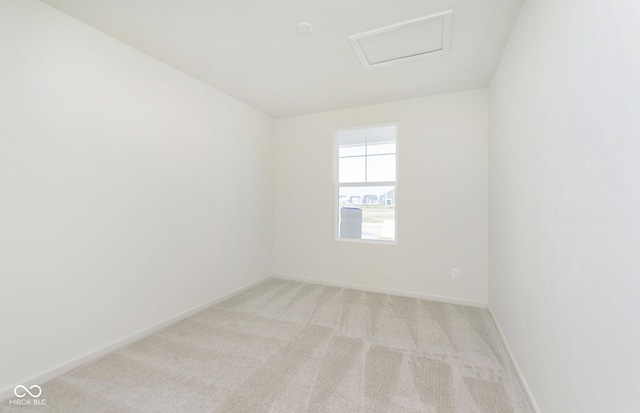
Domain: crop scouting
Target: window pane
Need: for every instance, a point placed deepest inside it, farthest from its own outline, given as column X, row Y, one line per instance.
column 381, row 168
column 381, row 148
column 352, row 142
column 346, row 151
column 351, row 169
column 381, row 134
column 367, row 212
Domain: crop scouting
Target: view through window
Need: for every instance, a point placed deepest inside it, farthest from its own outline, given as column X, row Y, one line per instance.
column 366, row 182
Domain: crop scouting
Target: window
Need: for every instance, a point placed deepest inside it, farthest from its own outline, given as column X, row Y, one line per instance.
column 365, row 182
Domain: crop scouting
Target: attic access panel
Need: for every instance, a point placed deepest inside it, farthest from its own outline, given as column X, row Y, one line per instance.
column 408, row 40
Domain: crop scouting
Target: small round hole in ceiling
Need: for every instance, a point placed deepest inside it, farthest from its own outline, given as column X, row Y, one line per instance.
column 304, row 27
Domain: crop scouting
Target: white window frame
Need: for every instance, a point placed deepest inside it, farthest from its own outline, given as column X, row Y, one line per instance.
column 337, row 184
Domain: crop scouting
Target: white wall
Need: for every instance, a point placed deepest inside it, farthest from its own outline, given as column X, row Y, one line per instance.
column 565, row 203
column 129, row 192
column 442, row 195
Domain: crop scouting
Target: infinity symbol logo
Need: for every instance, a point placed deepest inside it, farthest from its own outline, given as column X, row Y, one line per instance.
column 24, row 391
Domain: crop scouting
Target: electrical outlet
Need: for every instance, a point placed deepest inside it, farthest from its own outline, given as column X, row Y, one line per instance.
column 265, row 257
column 455, row 273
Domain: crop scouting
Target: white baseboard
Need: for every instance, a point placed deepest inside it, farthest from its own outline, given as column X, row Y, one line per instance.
column 368, row 288
column 69, row 365
column 525, row 385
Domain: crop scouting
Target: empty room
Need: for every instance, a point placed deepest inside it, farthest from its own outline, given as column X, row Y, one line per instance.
column 320, row 206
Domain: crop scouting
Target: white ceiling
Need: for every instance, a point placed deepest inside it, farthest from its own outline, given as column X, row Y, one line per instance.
column 251, row 50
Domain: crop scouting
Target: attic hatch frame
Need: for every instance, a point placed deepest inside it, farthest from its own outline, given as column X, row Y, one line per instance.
column 446, row 17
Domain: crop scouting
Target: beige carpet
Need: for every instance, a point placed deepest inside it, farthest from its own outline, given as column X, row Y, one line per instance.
column 294, row 347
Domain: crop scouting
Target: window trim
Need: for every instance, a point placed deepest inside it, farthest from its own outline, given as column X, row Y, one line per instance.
column 337, row 184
